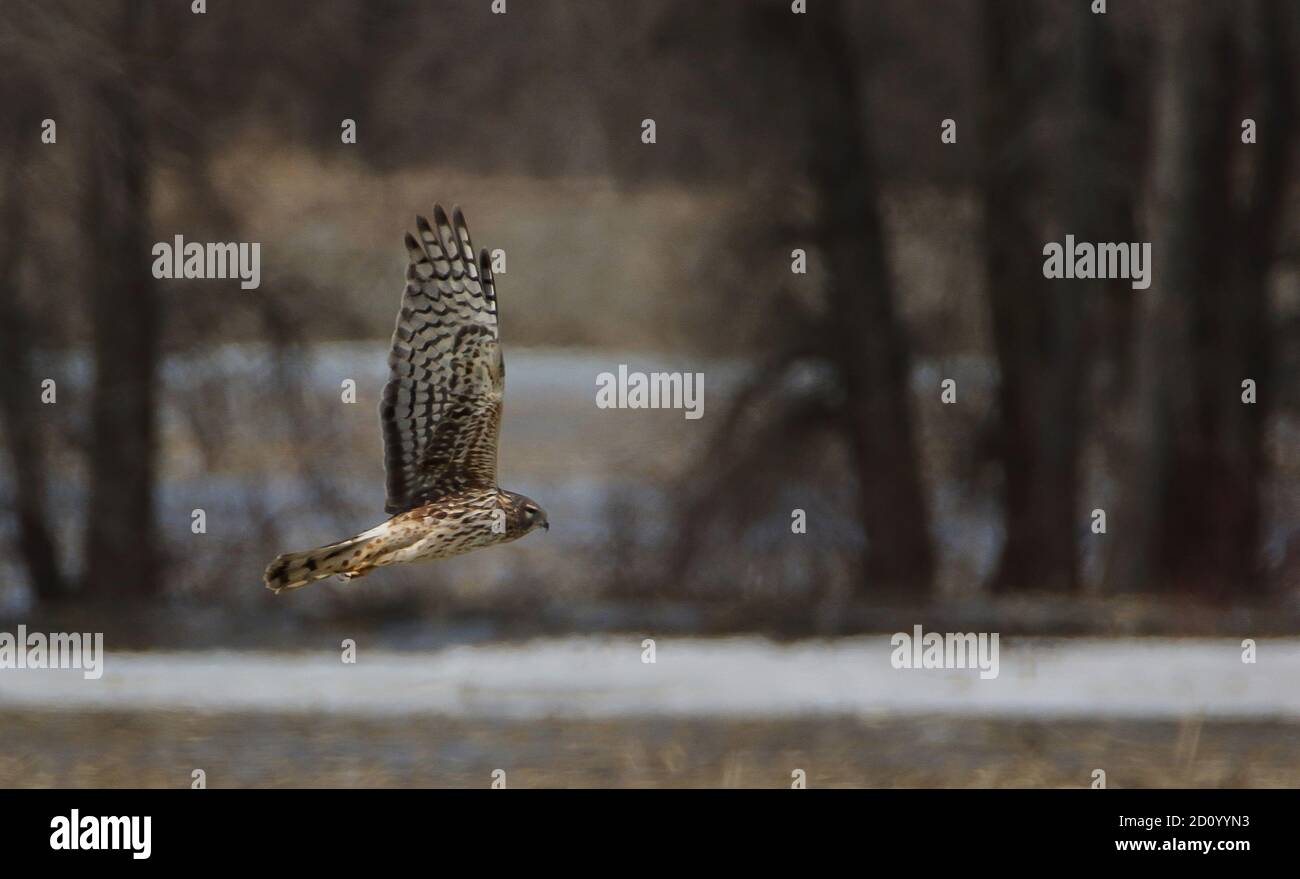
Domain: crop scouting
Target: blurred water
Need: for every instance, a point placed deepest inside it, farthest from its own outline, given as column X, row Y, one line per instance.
column 551, row 418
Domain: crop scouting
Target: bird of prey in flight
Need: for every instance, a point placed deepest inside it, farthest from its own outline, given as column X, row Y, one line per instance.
column 441, row 418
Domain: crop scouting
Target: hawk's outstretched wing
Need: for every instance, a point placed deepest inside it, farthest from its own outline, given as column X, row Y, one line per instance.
column 441, row 410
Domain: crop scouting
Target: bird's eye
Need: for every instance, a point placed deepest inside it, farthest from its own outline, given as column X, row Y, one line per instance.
column 531, row 511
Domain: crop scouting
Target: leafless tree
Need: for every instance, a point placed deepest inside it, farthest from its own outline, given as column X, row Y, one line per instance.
column 121, row 556
column 1192, row 499
column 20, row 419
column 858, row 335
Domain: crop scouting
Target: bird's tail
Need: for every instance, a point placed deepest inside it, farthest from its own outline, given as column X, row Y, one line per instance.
column 296, row 569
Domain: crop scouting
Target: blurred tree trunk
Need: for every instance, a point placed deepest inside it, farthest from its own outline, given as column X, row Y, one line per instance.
column 20, row 389
column 1189, row 152
column 1106, row 171
column 1270, row 53
column 1037, row 324
column 868, row 341
column 1191, row 514
column 1272, row 33
column 121, row 540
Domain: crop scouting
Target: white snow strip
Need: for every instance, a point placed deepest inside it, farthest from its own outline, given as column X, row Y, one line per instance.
column 691, row 677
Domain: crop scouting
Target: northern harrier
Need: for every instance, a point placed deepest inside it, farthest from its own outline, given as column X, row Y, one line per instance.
column 441, row 417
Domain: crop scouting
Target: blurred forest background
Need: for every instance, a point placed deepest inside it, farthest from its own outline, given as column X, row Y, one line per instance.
column 822, row 390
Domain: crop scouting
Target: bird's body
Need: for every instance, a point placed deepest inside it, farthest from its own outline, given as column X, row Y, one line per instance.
column 441, row 418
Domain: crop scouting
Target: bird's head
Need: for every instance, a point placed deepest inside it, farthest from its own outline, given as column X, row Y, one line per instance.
column 526, row 514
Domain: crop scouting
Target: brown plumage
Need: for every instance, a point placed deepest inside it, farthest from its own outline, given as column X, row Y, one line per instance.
column 441, row 418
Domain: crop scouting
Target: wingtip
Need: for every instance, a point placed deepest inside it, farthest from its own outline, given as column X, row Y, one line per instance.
column 415, row 252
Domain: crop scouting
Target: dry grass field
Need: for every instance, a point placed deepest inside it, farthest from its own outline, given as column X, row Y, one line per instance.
column 264, row 751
